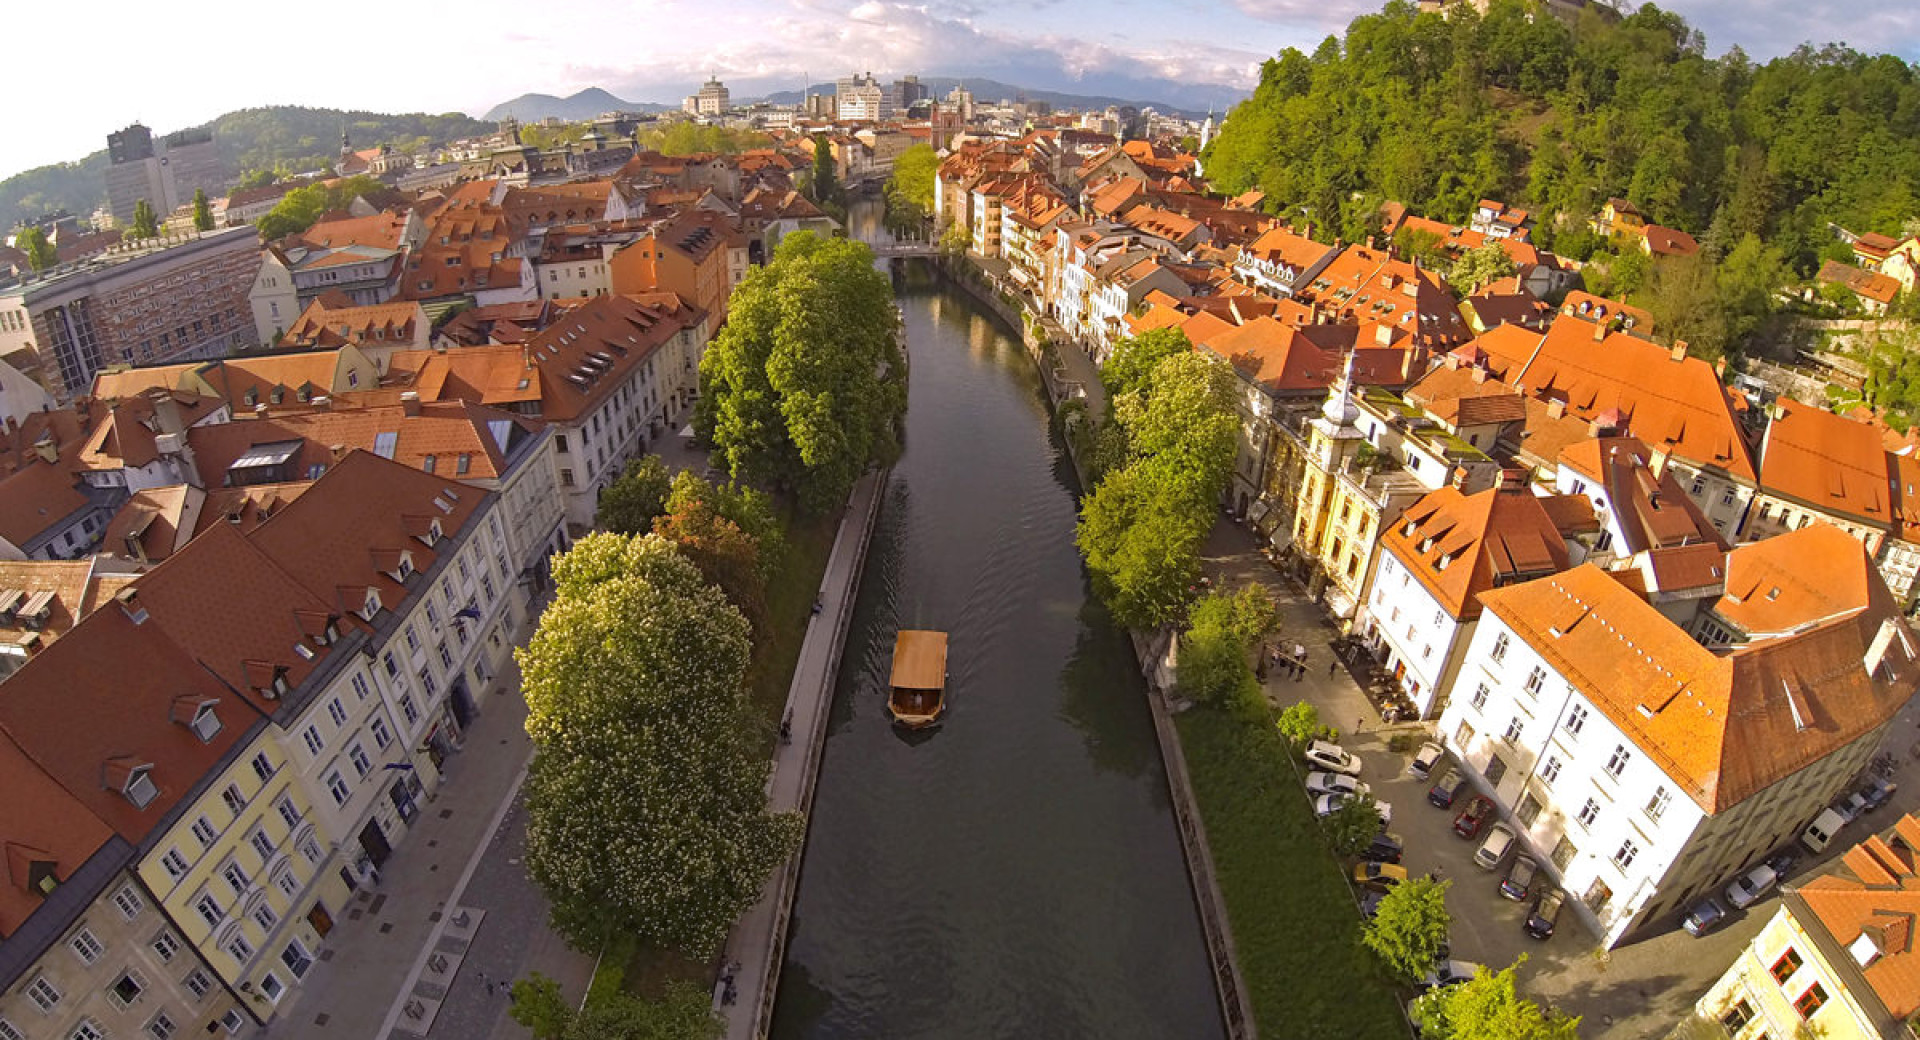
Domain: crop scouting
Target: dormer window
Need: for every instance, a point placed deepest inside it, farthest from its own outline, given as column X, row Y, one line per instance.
column 280, row 685
column 406, row 566
column 138, row 787
column 370, row 607
column 205, row 724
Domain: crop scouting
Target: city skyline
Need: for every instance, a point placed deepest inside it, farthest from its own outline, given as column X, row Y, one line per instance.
column 1121, row 48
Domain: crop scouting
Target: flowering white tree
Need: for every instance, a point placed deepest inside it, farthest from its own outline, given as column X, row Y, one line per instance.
column 646, row 800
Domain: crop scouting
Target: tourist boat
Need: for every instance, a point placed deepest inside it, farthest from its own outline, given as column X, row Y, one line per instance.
column 919, row 686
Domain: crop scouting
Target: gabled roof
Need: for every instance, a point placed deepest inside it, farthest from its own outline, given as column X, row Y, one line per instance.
column 1829, row 462
column 1722, row 726
column 593, row 349
column 447, row 431
column 1866, row 906
column 1653, row 511
column 158, row 520
column 59, row 591
column 1872, row 285
column 42, row 828
column 1778, row 584
column 1459, row 546
column 230, row 379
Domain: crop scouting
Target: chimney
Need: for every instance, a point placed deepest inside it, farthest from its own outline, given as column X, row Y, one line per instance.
column 1458, row 478
column 410, row 400
column 1599, row 331
column 1513, row 479
column 166, row 413
column 1383, row 335
column 1679, row 352
column 47, row 448
column 322, row 403
column 1556, row 409
column 1480, row 375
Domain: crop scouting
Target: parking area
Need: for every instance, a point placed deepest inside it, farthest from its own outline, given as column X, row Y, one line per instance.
column 1641, row 989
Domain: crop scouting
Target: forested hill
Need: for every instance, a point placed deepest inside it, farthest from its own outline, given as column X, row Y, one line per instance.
column 1440, row 112
column 285, row 137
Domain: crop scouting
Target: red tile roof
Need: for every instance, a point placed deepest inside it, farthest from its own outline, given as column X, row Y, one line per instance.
column 1460, row 546
column 1829, row 462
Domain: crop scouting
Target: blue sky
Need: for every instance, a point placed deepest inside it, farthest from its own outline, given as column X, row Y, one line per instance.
column 468, row 57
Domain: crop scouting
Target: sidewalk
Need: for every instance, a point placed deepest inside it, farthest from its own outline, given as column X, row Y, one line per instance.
column 464, row 851
column 758, row 941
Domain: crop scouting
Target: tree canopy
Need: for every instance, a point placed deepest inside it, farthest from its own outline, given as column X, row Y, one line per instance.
column 145, row 224
column 1489, row 1008
column 909, row 191
column 805, row 387
column 686, row 137
column 1213, row 652
column 646, row 800
column 1410, row 928
column 40, row 253
column 302, row 207
column 630, row 504
column 824, row 183
column 683, row 1012
column 1440, row 111
column 202, row 211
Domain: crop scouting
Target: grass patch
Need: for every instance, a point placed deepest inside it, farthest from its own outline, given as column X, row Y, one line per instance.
column 790, row 597
column 1294, row 923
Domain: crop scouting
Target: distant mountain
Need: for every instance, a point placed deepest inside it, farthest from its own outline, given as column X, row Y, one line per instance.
column 1179, row 99
column 284, row 137
column 531, row 108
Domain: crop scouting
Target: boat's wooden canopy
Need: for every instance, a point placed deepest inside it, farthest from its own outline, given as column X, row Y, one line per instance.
column 920, row 660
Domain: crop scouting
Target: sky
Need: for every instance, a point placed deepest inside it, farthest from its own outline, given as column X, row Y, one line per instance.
column 434, row 57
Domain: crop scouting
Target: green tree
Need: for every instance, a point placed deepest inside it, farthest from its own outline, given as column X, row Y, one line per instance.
column 1130, row 366
column 257, row 178
column 1489, row 1008
column 1351, row 825
column 1410, row 927
column 302, row 207
column 910, row 187
column 1213, row 652
column 824, row 186
column 41, row 255
column 805, row 386
column 1144, row 559
column 1300, row 724
column 683, row 1013
column 725, row 555
column 749, row 509
column 1480, row 266
column 646, row 799
column 202, row 211
column 538, row 1004
column 145, row 224
column 636, row 498
column 1420, row 244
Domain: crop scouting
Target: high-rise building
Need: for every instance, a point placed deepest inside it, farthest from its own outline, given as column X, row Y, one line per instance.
column 713, row 99
column 905, row 91
column 861, row 99
column 166, row 172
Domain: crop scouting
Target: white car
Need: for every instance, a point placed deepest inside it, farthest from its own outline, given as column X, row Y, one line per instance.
column 1752, row 886
column 1448, row 973
column 1324, row 805
column 1334, row 783
column 1333, row 758
column 1425, row 759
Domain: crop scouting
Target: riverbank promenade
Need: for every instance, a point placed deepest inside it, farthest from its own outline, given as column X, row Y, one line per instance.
column 758, row 941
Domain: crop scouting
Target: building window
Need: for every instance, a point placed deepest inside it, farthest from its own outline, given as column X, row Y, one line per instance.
column 338, row 788
column 263, row 767
column 197, row 984
column 1784, row 968
column 1618, row 761
column 1479, row 699
column 381, row 738
column 1528, row 811
column 1534, row 678
column 1576, row 720
column 209, row 911
column 85, row 946
column 203, row 831
column 165, row 946
column 315, row 745
column 337, row 713
column 358, row 756
column 360, row 688
column 1496, row 770
column 1551, row 771
column 8, row 1031
column 1624, row 857
column 264, row 916
column 235, row 802
column 296, row 958
column 129, row 902
column 261, row 844
column 160, row 1027
column 1499, row 652
column 1463, row 735
column 1588, row 813
column 126, row 989
column 407, row 709
column 1657, row 805
column 1737, row 1016
column 240, row 948
column 236, row 878
column 1512, row 735
column 174, row 863
column 43, row 995
column 88, row 1029
column 566, row 478
column 1810, row 1001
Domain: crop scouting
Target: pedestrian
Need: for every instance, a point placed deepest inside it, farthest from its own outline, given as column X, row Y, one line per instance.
column 489, row 989
column 1359, row 723
column 1333, row 666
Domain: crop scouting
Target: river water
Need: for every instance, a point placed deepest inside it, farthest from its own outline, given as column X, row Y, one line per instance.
column 1016, row 873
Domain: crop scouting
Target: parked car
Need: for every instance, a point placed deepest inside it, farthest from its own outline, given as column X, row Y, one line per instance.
column 1751, row 887
column 1386, row 848
column 1321, row 782
column 1440, row 795
column 1324, row 805
column 1545, row 914
column 1852, row 805
column 1500, row 841
column 1473, row 817
column 1519, row 879
column 1425, row 759
column 1370, row 899
column 1821, row 832
column 1379, row 875
column 1878, row 793
column 1783, row 862
column 1448, row 973
column 1333, row 758
column 1707, row 915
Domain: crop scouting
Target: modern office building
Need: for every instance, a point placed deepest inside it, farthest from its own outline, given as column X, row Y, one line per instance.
column 165, row 171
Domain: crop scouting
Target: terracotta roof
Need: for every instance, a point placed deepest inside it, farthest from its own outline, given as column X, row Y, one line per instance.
column 1364, row 284
column 1654, row 512
column 1870, row 284
column 1280, row 245
column 1666, row 402
column 321, row 325
column 448, row 432
column 69, row 594
column 1871, row 894
column 1666, row 241
column 1588, row 307
column 575, row 376
column 229, row 379
column 1722, row 726
column 124, row 435
column 35, row 493
column 1459, row 546
column 1830, row 462
column 154, row 523
column 245, row 508
column 1815, row 572
column 42, row 828
column 384, row 230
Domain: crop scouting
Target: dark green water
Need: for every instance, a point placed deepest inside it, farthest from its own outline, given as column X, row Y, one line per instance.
column 1018, row 872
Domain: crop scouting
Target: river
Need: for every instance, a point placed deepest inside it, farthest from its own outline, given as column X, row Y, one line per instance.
column 1016, row 873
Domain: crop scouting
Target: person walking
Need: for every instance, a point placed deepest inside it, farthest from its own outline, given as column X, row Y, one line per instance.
column 1333, row 666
